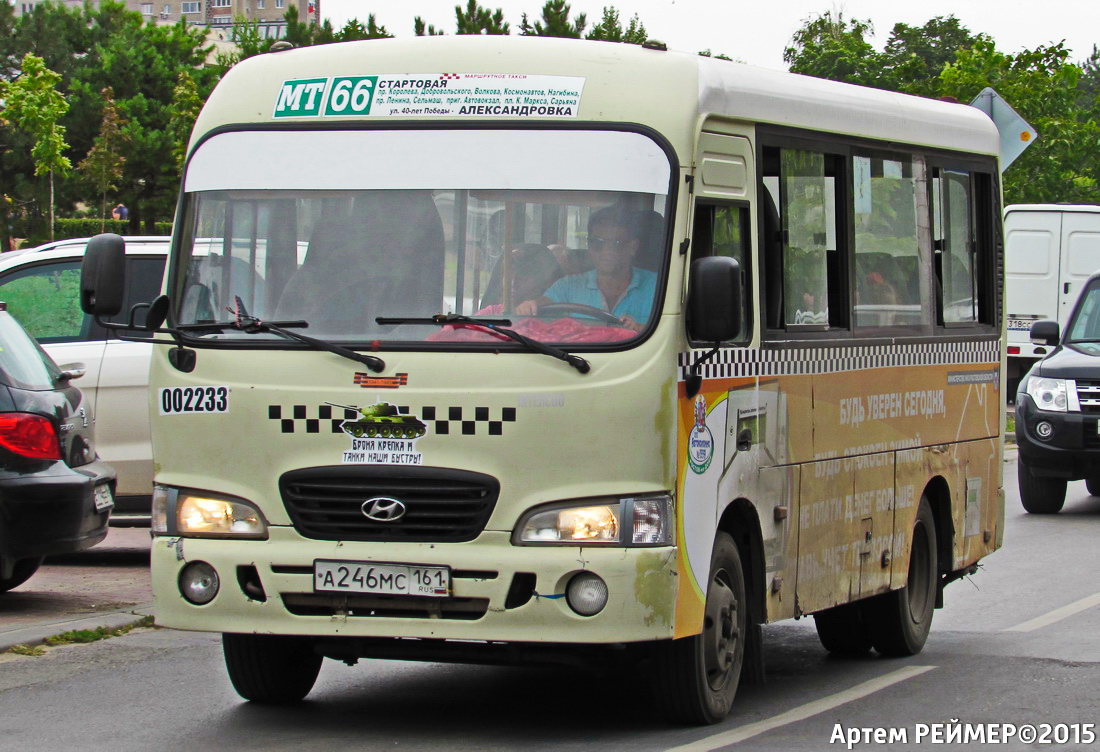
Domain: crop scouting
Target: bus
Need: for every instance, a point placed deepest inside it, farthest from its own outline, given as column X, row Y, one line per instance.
column 533, row 350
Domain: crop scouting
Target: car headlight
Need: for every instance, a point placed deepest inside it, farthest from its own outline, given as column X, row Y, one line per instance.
column 632, row 521
column 1049, row 394
column 199, row 514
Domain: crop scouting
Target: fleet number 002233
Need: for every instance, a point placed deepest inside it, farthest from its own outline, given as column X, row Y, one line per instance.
column 388, row 579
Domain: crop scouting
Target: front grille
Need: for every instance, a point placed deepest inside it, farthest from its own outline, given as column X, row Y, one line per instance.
column 385, row 606
column 1088, row 394
column 442, row 506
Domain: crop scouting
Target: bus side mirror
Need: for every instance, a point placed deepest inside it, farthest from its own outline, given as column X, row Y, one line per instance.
column 1045, row 333
column 103, row 275
column 714, row 299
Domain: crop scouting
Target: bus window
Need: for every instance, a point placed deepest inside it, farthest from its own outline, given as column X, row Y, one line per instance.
column 955, row 246
column 723, row 230
column 802, row 185
column 887, row 251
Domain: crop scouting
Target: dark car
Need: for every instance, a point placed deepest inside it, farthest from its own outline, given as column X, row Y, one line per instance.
column 56, row 495
column 1058, row 408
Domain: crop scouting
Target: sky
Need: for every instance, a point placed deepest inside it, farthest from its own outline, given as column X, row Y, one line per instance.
column 756, row 32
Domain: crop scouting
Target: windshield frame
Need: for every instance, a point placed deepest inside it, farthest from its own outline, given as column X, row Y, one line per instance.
column 183, row 236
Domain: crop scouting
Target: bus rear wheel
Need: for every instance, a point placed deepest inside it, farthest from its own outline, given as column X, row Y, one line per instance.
column 696, row 678
column 270, row 669
column 842, row 629
column 1040, row 495
column 898, row 622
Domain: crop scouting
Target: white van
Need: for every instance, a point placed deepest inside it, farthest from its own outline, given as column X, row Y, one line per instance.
column 1050, row 252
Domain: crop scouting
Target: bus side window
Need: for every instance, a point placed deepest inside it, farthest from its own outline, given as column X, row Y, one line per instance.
column 722, row 229
column 807, row 192
column 963, row 251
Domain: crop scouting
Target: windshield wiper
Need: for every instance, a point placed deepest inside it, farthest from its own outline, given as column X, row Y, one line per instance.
column 252, row 325
column 493, row 325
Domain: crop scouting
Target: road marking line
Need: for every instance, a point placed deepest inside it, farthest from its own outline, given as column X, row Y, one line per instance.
column 802, row 712
column 1056, row 615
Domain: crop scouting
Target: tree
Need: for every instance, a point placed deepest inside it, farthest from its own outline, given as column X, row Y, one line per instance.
column 425, row 30
column 478, row 20
column 354, row 30
column 33, row 103
column 834, row 48
column 915, row 55
column 297, row 33
column 143, row 63
column 182, row 113
column 1089, row 85
column 610, row 29
column 555, row 22
column 102, row 167
column 1042, row 85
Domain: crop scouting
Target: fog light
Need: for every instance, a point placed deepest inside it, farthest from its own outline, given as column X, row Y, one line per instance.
column 586, row 594
column 198, row 583
column 1044, row 429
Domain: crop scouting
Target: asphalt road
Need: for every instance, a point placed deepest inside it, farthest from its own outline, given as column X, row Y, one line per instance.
column 1018, row 643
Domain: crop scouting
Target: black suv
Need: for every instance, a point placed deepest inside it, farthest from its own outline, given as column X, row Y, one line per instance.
column 1058, row 408
column 55, row 493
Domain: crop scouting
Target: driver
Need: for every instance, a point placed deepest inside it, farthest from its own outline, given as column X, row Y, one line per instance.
column 615, row 285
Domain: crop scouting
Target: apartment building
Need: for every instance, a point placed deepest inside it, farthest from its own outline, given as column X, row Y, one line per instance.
column 216, row 14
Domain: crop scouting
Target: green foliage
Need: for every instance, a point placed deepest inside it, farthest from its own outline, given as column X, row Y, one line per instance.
column 834, row 48
column 555, row 22
column 716, row 56
column 478, row 20
column 102, row 167
column 33, row 103
column 1042, row 85
column 425, row 30
column 29, row 650
column 610, row 29
column 914, row 56
column 353, row 30
column 182, row 113
column 84, row 228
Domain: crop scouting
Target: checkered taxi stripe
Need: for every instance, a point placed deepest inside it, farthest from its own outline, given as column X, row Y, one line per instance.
column 464, row 421
column 753, row 362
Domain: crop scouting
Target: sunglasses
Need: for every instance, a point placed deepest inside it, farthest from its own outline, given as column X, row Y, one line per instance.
column 596, row 243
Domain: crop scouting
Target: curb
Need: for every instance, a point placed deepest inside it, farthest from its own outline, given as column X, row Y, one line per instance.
column 37, row 633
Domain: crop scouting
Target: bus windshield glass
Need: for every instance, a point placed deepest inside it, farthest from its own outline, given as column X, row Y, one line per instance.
column 563, row 233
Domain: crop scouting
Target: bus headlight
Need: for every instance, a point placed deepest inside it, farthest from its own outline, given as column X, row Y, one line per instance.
column 1049, row 394
column 631, row 521
column 199, row 514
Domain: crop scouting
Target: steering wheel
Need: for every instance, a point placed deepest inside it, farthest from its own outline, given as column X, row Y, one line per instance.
column 563, row 309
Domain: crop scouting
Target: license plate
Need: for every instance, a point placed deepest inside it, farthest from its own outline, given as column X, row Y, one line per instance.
column 1020, row 325
column 385, row 579
column 103, row 498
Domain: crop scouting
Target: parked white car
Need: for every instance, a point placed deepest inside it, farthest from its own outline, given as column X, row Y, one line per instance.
column 42, row 288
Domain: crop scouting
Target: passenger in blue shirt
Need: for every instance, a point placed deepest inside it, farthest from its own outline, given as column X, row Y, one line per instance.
column 615, row 285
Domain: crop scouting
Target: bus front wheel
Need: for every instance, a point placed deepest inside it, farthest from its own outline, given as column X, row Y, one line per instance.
column 270, row 669
column 898, row 622
column 696, row 678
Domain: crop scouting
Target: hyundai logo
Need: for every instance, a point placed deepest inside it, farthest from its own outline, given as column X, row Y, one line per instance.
column 383, row 509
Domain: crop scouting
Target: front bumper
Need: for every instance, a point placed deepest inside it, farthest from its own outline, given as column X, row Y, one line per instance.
column 1071, row 452
column 500, row 592
column 52, row 511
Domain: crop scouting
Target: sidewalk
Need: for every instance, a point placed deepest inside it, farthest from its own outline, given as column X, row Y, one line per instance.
column 105, row 586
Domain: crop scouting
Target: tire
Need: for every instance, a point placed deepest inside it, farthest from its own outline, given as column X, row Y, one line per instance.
column 696, row 678
column 898, row 622
column 1040, row 495
column 842, row 630
column 24, row 568
column 1093, row 486
column 270, row 669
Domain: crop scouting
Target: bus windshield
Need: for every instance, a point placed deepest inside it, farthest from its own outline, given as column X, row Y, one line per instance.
column 570, row 255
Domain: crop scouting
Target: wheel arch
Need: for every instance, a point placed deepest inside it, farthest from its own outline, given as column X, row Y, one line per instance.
column 741, row 522
column 938, row 493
